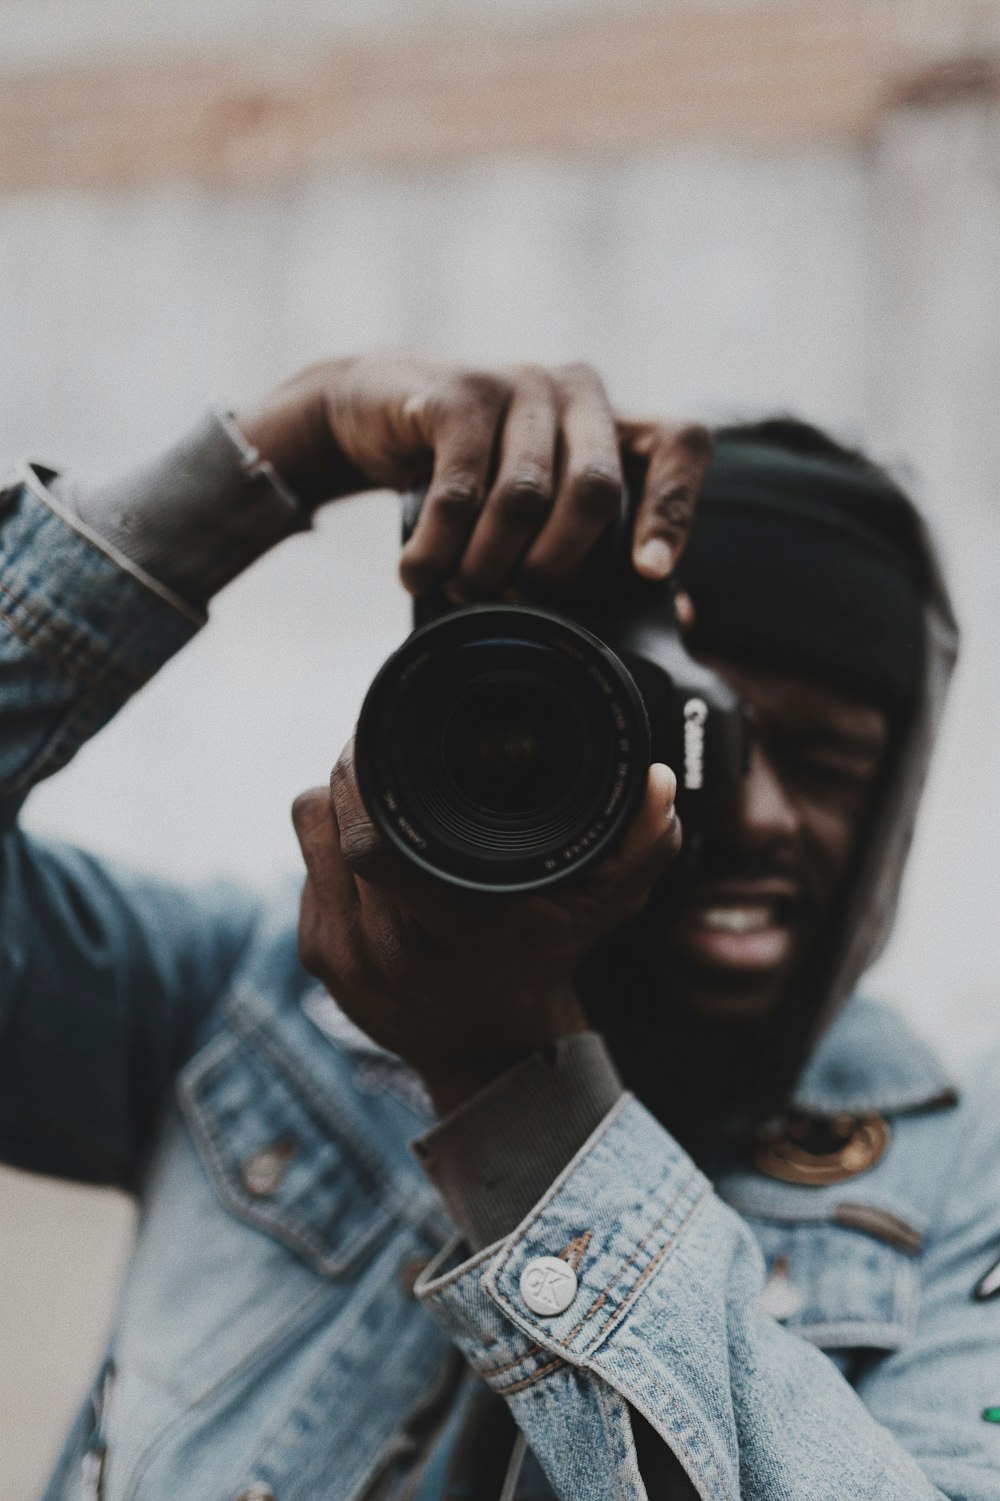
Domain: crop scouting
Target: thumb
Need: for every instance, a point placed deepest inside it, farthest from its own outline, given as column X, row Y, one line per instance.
column 621, row 884
column 654, row 835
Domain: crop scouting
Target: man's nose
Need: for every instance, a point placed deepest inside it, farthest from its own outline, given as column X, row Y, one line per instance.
column 765, row 813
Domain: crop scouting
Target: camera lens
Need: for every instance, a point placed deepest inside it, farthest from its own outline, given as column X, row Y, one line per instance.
column 502, row 748
column 511, row 745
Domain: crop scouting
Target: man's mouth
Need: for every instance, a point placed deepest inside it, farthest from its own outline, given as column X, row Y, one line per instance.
column 738, row 927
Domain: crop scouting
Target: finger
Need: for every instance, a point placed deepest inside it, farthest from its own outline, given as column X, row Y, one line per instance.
column 676, row 458
column 463, row 432
column 376, row 867
column 331, row 938
column 318, row 836
column 365, row 852
column 589, row 495
column 521, row 497
column 653, row 839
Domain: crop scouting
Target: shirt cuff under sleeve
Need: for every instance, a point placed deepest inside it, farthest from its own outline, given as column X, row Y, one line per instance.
column 193, row 517
column 494, row 1157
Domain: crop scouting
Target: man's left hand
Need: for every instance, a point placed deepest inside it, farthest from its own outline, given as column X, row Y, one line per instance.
column 459, row 986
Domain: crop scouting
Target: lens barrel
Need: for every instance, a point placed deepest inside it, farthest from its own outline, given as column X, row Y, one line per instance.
column 502, row 749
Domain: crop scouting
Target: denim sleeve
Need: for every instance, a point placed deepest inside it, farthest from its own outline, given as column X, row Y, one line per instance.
column 666, row 1324
column 103, row 975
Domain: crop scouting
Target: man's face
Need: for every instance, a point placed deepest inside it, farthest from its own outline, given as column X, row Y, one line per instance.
column 731, row 941
column 707, row 963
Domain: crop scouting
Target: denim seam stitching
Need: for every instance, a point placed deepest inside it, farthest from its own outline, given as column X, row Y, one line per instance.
column 509, row 1365
column 532, row 1380
column 278, row 1222
column 61, row 646
column 67, row 646
column 555, row 1188
column 672, row 1238
column 255, row 1034
column 601, row 1396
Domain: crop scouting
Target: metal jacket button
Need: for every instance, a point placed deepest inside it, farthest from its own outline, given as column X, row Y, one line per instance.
column 256, row 1492
column 264, row 1172
column 548, row 1285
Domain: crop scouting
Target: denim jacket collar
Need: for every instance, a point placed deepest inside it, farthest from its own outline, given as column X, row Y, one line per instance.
column 870, row 1060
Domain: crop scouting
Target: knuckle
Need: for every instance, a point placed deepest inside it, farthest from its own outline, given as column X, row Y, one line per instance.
column 418, row 573
column 478, row 388
column 342, row 778
column 577, row 373
column 696, row 440
column 455, row 500
column 596, row 492
column 524, row 498
column 531, row 377
column 358, row 843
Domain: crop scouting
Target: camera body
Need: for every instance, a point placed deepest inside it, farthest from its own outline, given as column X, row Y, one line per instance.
column 504, row 748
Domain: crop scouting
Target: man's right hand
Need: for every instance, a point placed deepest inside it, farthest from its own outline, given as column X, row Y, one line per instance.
column 523, row 464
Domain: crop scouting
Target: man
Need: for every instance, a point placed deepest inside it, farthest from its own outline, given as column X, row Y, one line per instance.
column 807, row 1312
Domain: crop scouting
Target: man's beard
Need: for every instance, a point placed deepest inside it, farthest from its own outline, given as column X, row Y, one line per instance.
column 710, row 1056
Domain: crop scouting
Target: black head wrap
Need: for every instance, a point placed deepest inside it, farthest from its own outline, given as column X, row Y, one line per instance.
column 801, row 561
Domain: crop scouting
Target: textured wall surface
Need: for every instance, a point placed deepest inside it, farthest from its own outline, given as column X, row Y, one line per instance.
column 857, row 287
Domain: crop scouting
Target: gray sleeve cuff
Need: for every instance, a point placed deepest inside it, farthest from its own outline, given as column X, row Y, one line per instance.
column 493, row 1157
column 195, row 516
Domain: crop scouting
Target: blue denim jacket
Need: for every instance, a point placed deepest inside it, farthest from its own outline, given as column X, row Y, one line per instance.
column 295, row 1292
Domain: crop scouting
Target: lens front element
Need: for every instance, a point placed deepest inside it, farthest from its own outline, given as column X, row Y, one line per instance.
column 502, row 748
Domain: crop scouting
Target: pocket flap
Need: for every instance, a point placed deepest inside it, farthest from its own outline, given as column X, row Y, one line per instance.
column 836, row 1286
column 274, row 1163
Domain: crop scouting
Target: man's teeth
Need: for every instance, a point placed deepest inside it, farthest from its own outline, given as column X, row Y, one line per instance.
column 731, row 919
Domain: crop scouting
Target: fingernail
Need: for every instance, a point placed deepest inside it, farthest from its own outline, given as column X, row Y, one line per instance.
column 654, row 558
column 668, row 779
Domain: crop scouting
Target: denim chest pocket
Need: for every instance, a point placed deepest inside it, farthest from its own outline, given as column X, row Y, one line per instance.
column 839, row 1288
column 277, row 1159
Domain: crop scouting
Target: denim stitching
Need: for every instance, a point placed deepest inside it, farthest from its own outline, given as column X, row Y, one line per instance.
column 551, row 1193
column 509, row 1365
column 646, row 1273
column 74, row 653
column 612, row 1438
column 636, row 1251
column 278, row 1221
column 520, row 1386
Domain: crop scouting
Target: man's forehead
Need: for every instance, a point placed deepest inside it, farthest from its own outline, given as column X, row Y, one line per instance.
column 803, row 703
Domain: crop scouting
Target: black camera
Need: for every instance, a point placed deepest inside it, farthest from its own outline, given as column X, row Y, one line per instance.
column 504, row 748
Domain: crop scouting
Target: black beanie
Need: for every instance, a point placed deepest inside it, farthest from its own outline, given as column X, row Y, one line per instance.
column 799, row 561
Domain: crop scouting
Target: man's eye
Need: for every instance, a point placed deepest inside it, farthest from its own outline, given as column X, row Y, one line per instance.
column 831, row 768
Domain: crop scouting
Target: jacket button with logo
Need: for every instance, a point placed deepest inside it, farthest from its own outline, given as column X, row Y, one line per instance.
column 548, row 1285
column 256, row 1492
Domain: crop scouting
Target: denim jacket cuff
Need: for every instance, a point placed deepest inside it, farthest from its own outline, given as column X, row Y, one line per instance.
column 194, row 516
column 615, row 1216
column 62, row 586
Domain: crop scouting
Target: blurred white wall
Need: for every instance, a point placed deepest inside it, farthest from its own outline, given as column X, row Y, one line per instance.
column 855, row 285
